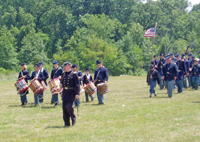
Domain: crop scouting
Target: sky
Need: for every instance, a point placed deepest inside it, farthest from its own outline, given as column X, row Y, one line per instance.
column 193, row 2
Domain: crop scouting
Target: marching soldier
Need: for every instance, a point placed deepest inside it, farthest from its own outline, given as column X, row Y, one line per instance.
column 187, row 68
column 79, row 73
column 71, row 89
column 45, row 75
column 152, row 77
column 37, row 75
column 195, row 74
column 191, row 64
column 26, row 76
column 159, row 67
column 181, row 75
column 172, row 57
column 56, row 73
column 169, row 73
column 87, row 78
column 100, row 76
column 155, row 61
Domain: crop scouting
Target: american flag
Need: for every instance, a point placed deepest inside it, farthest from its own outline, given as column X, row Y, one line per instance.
column 150, row 32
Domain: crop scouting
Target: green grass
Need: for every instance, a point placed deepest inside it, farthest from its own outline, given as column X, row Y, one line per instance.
column 141, row 119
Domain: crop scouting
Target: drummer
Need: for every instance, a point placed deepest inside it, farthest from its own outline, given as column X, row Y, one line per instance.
column 56, row 73
column 46, row 76
column 26, row 76
column 100, row 76
column 37, row 75
column 87, row 78
column 79, row 73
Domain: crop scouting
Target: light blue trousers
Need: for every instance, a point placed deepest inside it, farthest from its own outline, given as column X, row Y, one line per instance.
column 55, row 99
column 100, row 97
column 195, row 82
column 170, row 87
column 152, row 86
column 180, row 85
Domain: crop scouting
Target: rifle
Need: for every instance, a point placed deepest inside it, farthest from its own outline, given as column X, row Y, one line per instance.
column 198, row 52
column 172, row 47
column 181, row 49
column 169, row 44
column 189, row 47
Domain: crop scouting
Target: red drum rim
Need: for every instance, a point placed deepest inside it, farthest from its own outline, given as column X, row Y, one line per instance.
column 93, row 92
column 87, row 85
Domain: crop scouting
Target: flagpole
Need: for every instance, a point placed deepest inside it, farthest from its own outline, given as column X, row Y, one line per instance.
column 152, row 47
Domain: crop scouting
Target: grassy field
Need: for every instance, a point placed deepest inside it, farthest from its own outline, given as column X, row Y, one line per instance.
column 128, row 115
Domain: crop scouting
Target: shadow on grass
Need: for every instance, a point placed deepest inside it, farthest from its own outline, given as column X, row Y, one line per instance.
column 14, row 106
column 154, row 97
column 56, row 127
column 196, row 102
column 49, row 107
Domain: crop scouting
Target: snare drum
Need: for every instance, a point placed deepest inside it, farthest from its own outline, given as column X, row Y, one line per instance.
column 103, row 88
column 44, row 85
column 90, row 89
column 36, row 87
column 21, row 86
column 54, row 85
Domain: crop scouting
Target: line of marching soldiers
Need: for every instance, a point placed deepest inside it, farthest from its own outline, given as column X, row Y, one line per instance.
column 174, row 72
column 70, row 80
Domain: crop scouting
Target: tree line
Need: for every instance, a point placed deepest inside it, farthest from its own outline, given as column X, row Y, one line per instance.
column 82, row 31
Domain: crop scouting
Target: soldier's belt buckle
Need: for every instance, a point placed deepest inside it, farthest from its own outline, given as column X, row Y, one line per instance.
column 151, row 77
column 167, row 72
column 160, row 66
column 99, row 80
column 66, row 88
column 179, row 70
column 195, row 73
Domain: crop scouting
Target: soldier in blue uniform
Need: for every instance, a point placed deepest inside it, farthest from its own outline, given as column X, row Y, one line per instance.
column 187, row 69
column 159, row 67
column 152, row 77
column 26, row 76
column 37, row 75
column 181, row 75
column 45, row 77
column 71, row 90
column 191, row 64
column 56, row 73
column 195, row 74
column 190, row 56
column 172, row 57
column 169, row 73
column 87, row 78
column 155, row 61
column 79, row 73
column 100, row 76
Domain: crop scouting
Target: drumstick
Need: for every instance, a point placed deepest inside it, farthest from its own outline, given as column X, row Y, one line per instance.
column 21, row 77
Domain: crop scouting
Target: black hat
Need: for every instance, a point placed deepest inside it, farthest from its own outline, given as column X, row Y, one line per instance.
column 98, row 62
column 40, row 63
column 193, row 56
column 66, row 64
column 171, row 54
column 74, row 66
column 23, row 64
column 55, row 62
column 151, row 66
column 161, row 54
column 190, row 54
column 177, row 55
column 168, row 56
column 196, row 60
column 37, row 65
column 183, row 55
column 87, row 69
column 155, row 56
